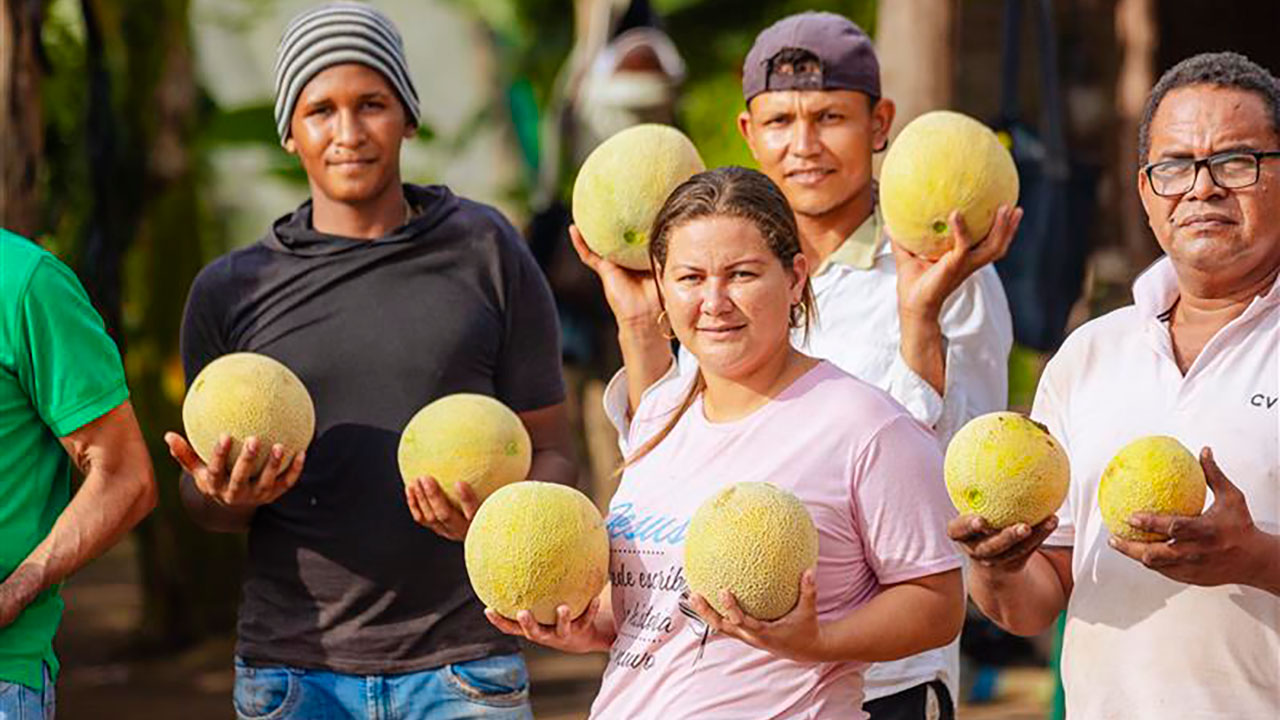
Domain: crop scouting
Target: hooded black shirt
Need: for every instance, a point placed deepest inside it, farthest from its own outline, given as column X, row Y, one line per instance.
column 339, row 575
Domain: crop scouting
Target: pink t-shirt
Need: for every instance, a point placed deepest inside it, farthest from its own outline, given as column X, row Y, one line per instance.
column 869, row 474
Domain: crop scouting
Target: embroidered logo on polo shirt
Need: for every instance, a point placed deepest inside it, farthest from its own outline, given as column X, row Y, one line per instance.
column 1263, row 401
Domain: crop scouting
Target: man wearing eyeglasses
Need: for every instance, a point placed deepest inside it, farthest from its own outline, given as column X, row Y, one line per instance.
column 1190, row 626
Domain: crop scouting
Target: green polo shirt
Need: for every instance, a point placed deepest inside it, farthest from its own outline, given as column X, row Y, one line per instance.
column 59, row 371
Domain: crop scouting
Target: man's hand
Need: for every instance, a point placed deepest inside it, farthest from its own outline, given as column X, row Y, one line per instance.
column 925, row 285
column 567, row 635
column 431, row 508
column 1221, row 546
column 632, row 294
column 1005, row 550
column 795, row 636
column 237, row 489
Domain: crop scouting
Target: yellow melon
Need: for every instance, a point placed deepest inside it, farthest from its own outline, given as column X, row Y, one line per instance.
column 1007, row 469
column 247, row 395
column 1154, row 474
column 468, row 438
column 536, row 546
column 622, row 185
column 940, row 162
column 754, row 540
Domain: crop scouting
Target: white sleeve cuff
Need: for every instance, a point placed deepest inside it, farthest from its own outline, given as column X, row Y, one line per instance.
column 915, row 393
column 617, row 405
column 617, row 408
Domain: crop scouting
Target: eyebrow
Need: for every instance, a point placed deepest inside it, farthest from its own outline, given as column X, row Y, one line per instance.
column 731, row 266
column 1184, row 155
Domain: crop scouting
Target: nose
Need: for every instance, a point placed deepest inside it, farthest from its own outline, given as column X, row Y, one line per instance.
column 715, row 298
column 1203, row 187
column 804, row 139
column 350, row 131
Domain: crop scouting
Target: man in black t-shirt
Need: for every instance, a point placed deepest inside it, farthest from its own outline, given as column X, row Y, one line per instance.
column 381, row 297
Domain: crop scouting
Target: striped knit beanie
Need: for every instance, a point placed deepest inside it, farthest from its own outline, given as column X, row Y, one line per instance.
column 333, row 34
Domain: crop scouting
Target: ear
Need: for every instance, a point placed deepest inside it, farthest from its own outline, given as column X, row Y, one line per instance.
column 1145, row 194
column 881, row 122
column 410, row 130
column 290, row 145
column 744, row 129
column 800, row 273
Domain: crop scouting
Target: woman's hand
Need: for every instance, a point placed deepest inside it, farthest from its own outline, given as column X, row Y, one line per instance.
column 794, row 636
column 567, row 635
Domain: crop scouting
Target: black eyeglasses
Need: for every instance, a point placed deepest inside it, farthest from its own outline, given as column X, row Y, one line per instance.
column 1229, row 170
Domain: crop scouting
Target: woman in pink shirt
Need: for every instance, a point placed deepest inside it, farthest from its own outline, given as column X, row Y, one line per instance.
column 732, row 283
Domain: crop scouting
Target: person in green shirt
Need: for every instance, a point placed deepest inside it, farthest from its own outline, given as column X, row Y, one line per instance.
column 63, row 401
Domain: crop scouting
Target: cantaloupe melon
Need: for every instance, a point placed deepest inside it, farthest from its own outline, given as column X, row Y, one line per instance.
column 1007, row 469
column 940, row 162
column 754, row 540
column 535, row 546
column 622, row 185
column 1154, row 474
column 465, row 437
column 248, row 395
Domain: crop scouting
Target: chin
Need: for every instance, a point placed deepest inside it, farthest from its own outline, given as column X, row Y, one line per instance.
column 807, row 201
column 354, row 193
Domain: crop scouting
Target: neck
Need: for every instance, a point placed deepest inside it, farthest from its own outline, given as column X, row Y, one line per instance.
column 1205, row 304
column 821, row 235
column 728, row 399
column 368, row 220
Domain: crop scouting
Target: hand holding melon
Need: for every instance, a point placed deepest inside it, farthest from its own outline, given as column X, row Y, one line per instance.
column 457, row 451
column 537, row 555
column 1150, row 496
column 1006, row 476
column 947, row 194
column 248, row 420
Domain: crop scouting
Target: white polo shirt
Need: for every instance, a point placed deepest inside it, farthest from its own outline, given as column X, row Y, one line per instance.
column 1139, row 645
column 857, row 329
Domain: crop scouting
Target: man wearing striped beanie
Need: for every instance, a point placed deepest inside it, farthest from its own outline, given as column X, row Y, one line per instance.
column 381, row 297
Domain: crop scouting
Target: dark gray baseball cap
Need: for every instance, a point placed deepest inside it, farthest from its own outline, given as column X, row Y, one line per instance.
column 845, row 54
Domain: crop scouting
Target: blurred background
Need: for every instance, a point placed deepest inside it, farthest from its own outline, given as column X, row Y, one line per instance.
column 137, row 143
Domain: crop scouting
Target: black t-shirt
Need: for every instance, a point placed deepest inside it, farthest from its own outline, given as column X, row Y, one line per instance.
column 339, row 576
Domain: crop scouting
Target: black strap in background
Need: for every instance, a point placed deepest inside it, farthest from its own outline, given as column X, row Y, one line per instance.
column 1053, row 133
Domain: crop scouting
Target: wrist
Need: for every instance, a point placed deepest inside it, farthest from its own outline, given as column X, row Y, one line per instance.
column 1264, row 565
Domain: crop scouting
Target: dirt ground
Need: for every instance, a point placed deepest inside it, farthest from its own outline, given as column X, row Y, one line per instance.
column 100, row 682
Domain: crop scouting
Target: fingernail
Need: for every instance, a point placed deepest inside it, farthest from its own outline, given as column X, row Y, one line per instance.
column 1022, row 531
column 1113, row 542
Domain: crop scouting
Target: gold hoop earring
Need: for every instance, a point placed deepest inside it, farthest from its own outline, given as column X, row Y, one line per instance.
column 663, row 318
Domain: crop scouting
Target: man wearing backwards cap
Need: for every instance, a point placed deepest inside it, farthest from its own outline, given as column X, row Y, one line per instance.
column 382, row 297
column 935, row 335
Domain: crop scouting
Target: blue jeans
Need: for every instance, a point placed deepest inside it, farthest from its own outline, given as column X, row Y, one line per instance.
column 492, row 688
column 19, row 702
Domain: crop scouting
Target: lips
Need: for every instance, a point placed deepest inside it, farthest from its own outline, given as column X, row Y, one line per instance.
column 1205, row 220
column 720, row 330
column 808, row 176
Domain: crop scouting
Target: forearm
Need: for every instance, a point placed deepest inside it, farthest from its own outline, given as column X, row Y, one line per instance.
column 646, row 354
column 108, row 504
column 1267, row 553
column 554, row 465
column 209, row 514
column 1024, row 602
column 903, row 620
column 924, row 349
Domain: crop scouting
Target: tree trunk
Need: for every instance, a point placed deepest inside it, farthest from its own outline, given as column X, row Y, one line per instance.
column 142, row 253
column 915, row 46
column 21, row 120
column 1136, row 34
